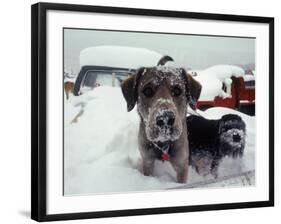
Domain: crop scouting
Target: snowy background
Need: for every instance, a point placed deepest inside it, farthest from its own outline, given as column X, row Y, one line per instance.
column 100, row 146
column 101, row 153
column 193, row 51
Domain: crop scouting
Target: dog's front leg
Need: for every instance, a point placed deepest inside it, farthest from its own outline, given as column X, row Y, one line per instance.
column 180, row 161
column 182, row 173
column 215, row 166
column 148, row 165
column 148, row 160
column 181, row 168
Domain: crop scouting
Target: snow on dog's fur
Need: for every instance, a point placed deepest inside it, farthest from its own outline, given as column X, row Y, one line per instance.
column 211, row 140
column 162, row 95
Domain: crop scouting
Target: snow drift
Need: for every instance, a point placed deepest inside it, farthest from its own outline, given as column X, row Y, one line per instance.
column 211, row 80
column 101, row 153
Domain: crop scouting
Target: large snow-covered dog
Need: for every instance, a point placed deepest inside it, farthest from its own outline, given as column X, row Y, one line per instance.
column 211, row 140
column 162, row 95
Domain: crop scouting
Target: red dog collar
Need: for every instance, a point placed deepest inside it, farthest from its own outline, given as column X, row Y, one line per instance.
column 165, row 156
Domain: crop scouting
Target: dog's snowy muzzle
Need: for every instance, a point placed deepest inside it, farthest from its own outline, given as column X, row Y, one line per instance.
column 163, row 126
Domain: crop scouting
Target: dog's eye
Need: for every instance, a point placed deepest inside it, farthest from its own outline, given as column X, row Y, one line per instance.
column 148, row 92
column 176, row 91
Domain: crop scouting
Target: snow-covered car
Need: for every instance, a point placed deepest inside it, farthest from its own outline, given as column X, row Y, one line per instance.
column 110, row 65
column 226, row 86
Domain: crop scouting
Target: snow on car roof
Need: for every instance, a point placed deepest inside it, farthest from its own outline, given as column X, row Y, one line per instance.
column 225, row 71
column 119, row 56
column 211, row 80
column 211, row 87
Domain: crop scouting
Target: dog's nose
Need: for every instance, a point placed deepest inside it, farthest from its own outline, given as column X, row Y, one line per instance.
column 236, row 137
column 167, row 118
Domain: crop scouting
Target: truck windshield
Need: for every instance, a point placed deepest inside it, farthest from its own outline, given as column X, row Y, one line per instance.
column 94, row 79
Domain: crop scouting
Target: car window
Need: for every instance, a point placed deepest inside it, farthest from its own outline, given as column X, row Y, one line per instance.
column 110, row 79
column 104, row 80
column 101, row 78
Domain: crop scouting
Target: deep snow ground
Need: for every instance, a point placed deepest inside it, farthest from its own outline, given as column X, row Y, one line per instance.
column 101, row 154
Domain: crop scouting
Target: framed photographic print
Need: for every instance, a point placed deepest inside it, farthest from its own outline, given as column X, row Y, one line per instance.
column 139, row 111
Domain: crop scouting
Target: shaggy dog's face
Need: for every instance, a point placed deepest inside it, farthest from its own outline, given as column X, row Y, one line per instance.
column 162, row 103
column 232, row 136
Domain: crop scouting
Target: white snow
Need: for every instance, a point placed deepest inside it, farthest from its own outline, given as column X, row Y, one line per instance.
column 69, row 80
column 169, row 69
column 119, row 56
column 163, row 100
column 211, row 87
column 101, row 153
column 225, row 71
column 249, row 78
column 211, row 80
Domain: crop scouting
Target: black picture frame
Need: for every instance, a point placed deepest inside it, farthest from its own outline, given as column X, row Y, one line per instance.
column 39, row 108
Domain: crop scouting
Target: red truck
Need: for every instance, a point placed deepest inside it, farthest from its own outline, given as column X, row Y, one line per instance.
column 242, row 96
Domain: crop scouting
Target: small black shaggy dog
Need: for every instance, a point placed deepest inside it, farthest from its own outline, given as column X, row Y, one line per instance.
column 211, row 140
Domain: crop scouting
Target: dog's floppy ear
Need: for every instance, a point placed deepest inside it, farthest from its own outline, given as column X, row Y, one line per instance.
column 129, row 89
column 193, row 89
